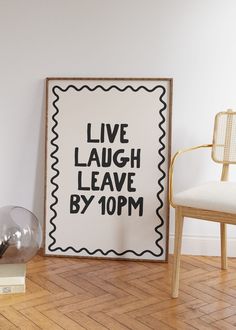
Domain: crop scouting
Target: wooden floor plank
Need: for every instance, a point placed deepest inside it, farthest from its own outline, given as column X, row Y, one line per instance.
column 231, row 319
column 197, row 294
column 39, row 319
column 64, row 321
column 200, row 324
column 215, row 293
column 9, row 300
column 86, row 285
column 85, row 321
column 129, row 322
column 153, row 308
column 95, row 294
column 108, row 321
column 214, row 307
column 108, row 287
column 44, row 283
column 222, row 325
column 113, row 304
column 41, row 301
column 6, row 324
column 223, row 313
column 17, row 318
column 87, row 303
column 153, row 323
column 136, row 305
column 129, row 288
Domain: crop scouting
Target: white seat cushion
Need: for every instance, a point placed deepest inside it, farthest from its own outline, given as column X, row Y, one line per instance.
column 215, row 196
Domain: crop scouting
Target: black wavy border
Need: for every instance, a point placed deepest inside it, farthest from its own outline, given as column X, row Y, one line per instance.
column 57, row 172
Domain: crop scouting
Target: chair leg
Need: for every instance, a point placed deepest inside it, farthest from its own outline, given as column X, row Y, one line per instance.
column 223, row 240
column 177, row 250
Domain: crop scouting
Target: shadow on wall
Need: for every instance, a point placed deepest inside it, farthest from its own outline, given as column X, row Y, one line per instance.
column 39, row 184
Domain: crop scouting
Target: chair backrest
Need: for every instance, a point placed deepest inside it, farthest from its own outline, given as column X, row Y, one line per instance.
column 224, row 139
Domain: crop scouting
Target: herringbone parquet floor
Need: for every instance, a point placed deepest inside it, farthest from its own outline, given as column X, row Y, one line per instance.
column 68, row 293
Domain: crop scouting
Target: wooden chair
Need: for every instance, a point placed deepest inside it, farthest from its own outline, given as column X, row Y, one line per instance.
column 214, row 201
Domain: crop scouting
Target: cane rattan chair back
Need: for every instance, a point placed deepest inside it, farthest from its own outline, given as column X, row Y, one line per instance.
column 224, row 139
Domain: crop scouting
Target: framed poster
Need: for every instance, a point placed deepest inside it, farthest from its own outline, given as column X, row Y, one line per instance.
column 107, row 159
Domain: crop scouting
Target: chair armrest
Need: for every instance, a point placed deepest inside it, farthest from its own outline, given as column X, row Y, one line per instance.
column 171, row 169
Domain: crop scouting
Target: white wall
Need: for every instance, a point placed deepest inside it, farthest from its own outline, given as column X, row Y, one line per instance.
column 192, row 41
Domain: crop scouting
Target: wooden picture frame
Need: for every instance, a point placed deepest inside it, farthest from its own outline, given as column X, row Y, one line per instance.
column 107, row 158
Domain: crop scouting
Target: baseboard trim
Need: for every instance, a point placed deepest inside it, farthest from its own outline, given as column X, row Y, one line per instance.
column 204, row 245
